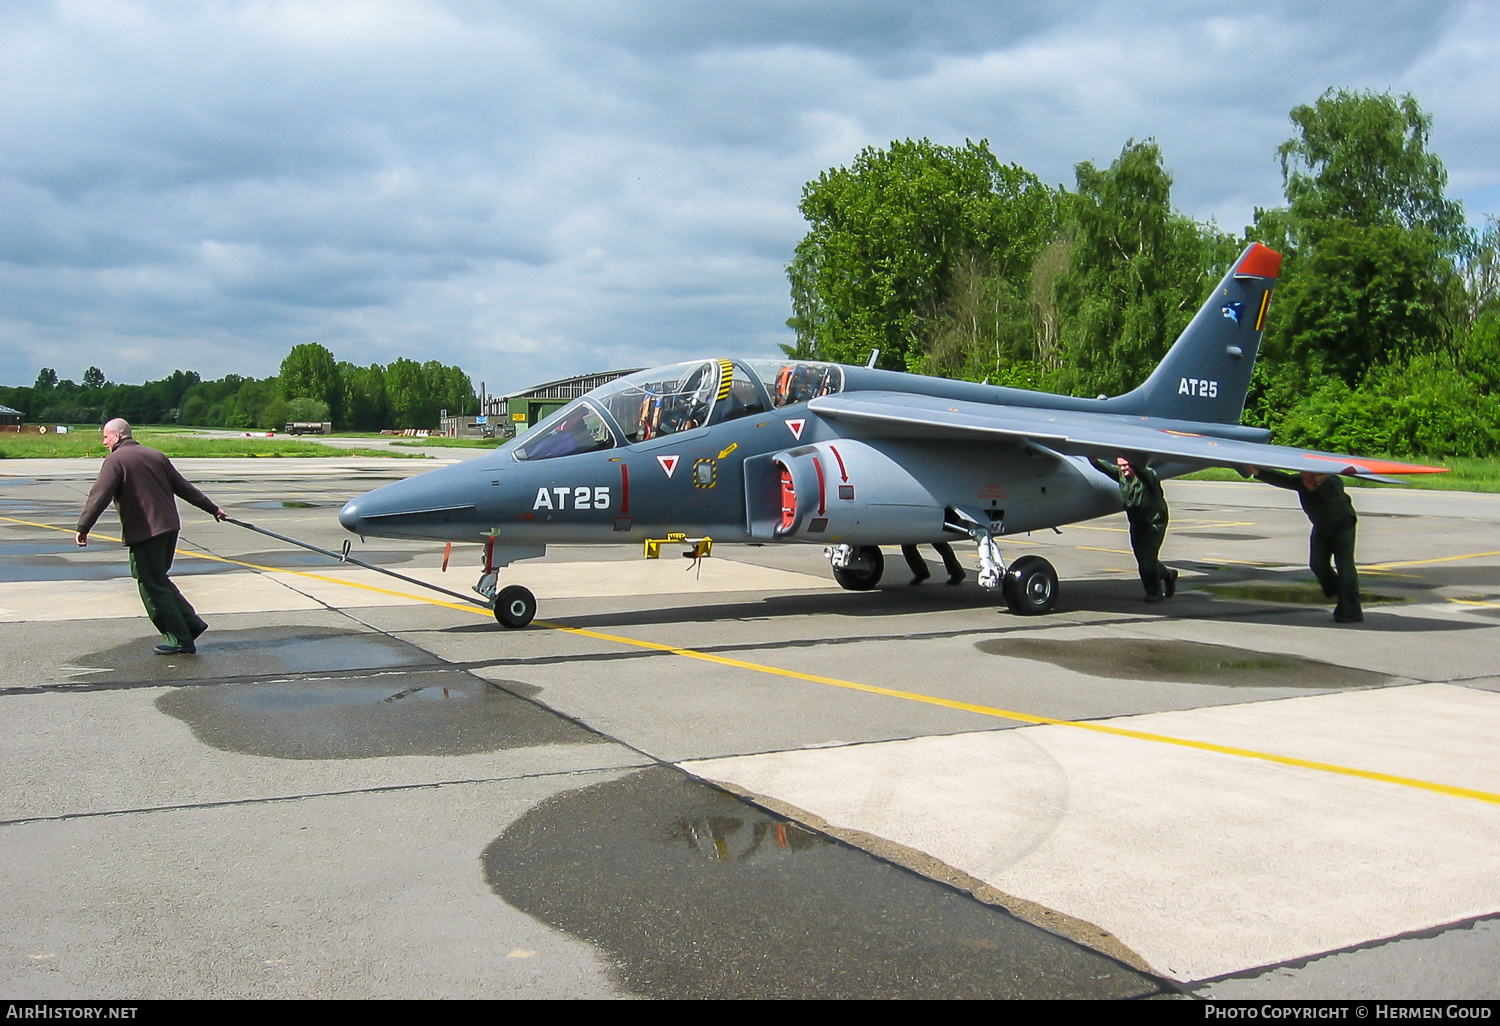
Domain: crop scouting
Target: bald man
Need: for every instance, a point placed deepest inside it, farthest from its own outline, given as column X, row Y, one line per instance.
column 143, row 485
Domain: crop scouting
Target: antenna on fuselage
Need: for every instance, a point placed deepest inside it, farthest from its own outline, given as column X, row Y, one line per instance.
column 874, row 355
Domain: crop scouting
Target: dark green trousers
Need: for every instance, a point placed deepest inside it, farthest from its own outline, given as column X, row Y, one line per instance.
column 1146, row 536
column 170, row 613
column 1331, row 559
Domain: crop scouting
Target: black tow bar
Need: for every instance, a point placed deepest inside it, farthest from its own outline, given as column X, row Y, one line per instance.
column 344, row 557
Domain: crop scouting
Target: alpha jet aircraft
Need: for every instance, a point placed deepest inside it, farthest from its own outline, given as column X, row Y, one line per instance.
column 778, row 452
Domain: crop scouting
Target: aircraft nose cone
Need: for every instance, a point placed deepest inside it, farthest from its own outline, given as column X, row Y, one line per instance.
column 349, row 516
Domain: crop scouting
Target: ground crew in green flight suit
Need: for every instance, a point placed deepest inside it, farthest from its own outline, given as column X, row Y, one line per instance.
column 1328, row 506
column 1146, row 510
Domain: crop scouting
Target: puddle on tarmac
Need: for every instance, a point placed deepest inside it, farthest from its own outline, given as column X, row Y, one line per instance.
column 692, row 894
column 261, row 651
column 14, row 549
column 49, row 562
column 1181, row 662
column 413, row 713
column 1296, row 593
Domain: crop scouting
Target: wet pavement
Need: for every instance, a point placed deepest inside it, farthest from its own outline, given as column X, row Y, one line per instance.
column 354, row 791
column 367, row 717
column 1188, row 662
column 693, row 894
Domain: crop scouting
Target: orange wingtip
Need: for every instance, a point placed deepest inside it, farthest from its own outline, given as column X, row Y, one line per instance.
column 1260, row 262
column 1379, row 466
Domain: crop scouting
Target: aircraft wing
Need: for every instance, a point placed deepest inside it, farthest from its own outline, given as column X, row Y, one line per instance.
column 1079, row 433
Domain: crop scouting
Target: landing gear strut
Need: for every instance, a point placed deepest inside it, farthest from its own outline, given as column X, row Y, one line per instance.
column 513, row 606
column 1029, row 585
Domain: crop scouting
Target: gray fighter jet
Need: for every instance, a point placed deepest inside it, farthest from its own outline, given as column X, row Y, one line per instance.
column 780, row 452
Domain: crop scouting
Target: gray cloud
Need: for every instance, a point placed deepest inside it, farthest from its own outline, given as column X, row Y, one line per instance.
column 532, row 191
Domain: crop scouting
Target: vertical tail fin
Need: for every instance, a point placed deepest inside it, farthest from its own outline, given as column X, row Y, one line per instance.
column 1206, row 373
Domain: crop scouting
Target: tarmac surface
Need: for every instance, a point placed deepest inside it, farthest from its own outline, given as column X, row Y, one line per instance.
column 738, row 780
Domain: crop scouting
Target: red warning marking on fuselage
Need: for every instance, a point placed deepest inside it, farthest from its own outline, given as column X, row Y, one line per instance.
column 668, row 463
column 843, row 473
column 795, row 426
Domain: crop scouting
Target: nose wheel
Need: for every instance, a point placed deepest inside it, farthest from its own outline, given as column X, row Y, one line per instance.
column 515, row 606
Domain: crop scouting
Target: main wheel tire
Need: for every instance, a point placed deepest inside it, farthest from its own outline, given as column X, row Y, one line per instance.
column 862, row 580
column 1030, row 586
column 515, row 606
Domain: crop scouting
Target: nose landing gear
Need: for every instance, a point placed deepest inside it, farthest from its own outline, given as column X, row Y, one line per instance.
column 513, row 605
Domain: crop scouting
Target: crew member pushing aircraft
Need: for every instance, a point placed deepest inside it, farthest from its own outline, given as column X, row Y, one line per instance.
column 1146, row 510
column 1328, row 506
column 143, row 485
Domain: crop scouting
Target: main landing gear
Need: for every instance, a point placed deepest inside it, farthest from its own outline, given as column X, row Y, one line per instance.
column 856, row 567
column 1028, row 586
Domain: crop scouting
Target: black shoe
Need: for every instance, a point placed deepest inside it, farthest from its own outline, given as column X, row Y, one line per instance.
column 919, row 579
column 1155, row 597
column 198, row 631
column 1169, row 586
column 165, row 649
column 1339, row 616
column 957, row 577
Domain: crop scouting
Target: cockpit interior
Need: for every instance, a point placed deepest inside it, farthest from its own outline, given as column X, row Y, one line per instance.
column 679, row 397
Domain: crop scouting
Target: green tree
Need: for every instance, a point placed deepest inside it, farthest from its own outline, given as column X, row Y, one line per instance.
column 363, row 405
column 275, row 415
column 314, row 410
column 407, row 392
column 93, row 378
column 1136, row 272
column 1365, row 296
column 1362, row 158
column 46, row 380
column 888, row 236
column 309, row 372
column 1374, row 274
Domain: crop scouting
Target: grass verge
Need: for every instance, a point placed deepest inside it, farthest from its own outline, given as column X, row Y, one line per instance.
column 84, row 442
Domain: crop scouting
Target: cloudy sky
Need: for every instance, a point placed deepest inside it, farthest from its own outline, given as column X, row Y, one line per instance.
column 534, row 189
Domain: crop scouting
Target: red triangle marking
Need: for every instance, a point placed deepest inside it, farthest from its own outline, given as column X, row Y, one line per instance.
column 668, row 463
column 795, row 427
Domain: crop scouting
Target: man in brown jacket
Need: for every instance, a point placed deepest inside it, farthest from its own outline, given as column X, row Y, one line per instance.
column 143, row 485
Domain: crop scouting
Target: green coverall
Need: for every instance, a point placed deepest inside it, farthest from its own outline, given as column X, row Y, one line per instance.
column 1146, row 511
column 170, row 612
column 1333, row 523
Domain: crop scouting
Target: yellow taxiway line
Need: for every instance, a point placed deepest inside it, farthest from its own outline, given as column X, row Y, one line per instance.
column 871, row 689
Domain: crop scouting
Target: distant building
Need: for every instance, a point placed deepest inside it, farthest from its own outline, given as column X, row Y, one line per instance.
column 10, row 420
column 518, row 412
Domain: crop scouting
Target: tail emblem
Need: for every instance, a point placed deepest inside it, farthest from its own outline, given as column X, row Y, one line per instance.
column 1233, row 311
